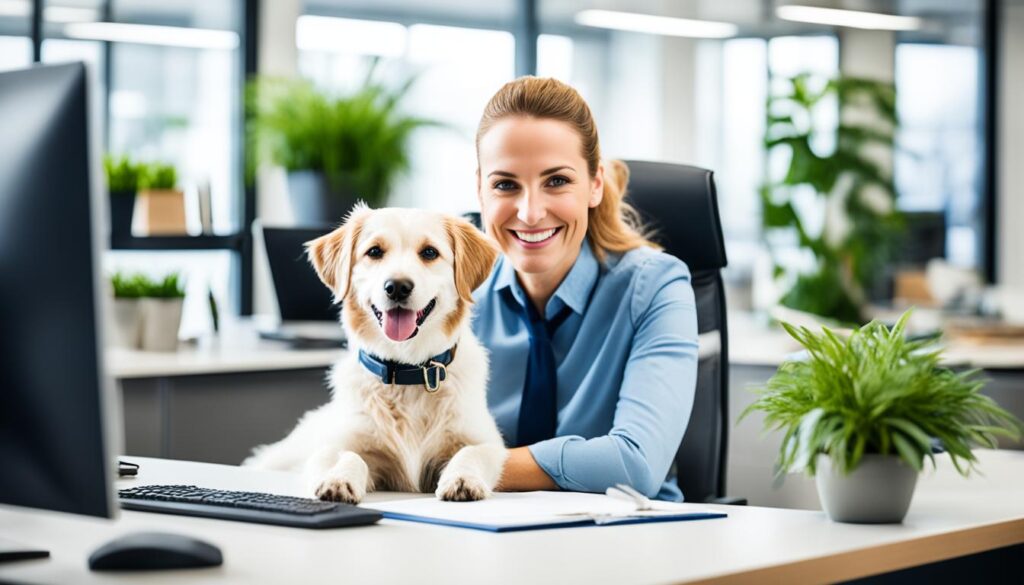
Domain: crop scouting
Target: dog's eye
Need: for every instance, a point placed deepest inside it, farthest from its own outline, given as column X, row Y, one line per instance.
column 375, row 252
column 429, row 253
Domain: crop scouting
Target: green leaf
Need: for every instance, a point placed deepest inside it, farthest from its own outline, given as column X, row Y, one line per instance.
column 844, row 269
column 907, row 452
column 874, row 391
column 360, row 140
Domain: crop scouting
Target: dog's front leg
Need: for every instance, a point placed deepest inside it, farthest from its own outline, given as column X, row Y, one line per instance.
column 337, row 476
column 472, row 473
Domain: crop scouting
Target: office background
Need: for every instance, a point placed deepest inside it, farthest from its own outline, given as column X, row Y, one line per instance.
column 177, row 95
column 656, row 97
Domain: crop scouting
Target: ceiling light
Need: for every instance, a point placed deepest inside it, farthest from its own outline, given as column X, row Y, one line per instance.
column 168, row 36
column 345, row 35
column 656, row 25
column 847, row 18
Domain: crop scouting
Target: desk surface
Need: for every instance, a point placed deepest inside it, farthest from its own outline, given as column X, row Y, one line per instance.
column 949, row 517
column 237, row 348
column 240, row 349
column 752, row 343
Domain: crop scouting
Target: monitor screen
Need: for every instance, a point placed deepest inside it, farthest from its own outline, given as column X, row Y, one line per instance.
column 53, row 451
column 301, row 295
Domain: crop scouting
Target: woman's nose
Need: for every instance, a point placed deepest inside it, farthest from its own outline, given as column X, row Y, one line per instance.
column 531, row 207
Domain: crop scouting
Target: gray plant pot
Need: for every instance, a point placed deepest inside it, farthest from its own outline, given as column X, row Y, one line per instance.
column 161, row 319
column 877, row 491
column 314, row 203
column 126, row 318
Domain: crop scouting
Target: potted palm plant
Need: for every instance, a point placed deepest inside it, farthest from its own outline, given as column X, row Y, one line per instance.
column 862, row 413
column 161, row 202
column 122, row 183
column 335, row 148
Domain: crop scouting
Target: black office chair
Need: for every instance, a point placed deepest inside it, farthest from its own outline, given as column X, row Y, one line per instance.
column 680, row 203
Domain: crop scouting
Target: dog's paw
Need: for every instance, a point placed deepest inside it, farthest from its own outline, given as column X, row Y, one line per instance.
column 462, row 488
column 339, row 490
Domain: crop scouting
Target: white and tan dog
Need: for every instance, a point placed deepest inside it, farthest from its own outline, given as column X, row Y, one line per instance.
column 404, row 278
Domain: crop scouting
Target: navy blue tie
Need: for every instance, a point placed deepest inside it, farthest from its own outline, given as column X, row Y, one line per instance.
column 538, row 412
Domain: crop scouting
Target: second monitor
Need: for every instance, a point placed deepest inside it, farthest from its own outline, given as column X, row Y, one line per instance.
column 308, row 313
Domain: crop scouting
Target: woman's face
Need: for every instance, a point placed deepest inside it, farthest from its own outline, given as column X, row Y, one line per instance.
column 535, row 191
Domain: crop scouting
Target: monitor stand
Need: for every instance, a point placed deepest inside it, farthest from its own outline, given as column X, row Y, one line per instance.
column 15, row 551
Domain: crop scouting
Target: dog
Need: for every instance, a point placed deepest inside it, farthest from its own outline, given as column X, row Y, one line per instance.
column 408, row 409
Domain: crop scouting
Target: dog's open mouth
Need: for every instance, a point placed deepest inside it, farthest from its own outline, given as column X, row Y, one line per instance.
column 402, row 324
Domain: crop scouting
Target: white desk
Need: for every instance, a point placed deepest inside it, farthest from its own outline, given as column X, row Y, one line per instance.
column 754, row 344
column 241, row 350
column 949, row 517
column 237, row 348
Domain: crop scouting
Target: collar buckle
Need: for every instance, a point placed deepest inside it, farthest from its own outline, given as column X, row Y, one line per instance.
column 442, row 372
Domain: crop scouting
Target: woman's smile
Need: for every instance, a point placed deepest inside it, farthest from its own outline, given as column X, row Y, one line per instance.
column 536, row 238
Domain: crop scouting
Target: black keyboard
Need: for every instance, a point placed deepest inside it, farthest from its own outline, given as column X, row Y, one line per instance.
column 189, row 500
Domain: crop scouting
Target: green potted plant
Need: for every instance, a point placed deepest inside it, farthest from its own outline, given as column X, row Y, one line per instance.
column 147, row 312
column 122, row 184
column 335, row 148
column 126, row 329
column 161, row 313
column 849, row 190
column 161, row 202
column 862, row 412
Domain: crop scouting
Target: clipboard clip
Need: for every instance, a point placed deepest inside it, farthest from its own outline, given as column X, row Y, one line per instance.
column 625, row 492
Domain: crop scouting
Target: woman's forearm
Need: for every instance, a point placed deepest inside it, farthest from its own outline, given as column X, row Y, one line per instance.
column 522, row 474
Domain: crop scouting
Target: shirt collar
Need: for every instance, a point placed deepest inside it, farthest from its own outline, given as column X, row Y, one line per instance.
column 574, row 290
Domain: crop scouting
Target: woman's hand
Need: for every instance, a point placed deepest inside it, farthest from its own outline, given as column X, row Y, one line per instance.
column 522, row 474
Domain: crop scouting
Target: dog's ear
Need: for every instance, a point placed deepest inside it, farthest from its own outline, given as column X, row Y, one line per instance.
column 333, row 255
column 475, row 254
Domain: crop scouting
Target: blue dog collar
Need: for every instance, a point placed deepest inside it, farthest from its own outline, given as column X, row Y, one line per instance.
column 430, row 373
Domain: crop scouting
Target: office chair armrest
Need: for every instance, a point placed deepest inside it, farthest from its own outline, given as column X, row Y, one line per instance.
column 728, row 501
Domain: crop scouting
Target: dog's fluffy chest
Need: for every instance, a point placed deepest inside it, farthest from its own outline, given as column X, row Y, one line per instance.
column 411, row 434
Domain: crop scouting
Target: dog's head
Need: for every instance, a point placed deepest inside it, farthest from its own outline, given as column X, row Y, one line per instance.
column 404, row 277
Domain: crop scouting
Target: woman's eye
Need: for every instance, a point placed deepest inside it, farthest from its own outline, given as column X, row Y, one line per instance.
column 429, row 253
column 375, row 252
column 504, row 185
column 558, row 182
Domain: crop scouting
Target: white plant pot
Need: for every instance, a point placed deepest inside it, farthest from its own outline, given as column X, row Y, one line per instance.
column 161, row 319
column 126, row 329
column 877, row 491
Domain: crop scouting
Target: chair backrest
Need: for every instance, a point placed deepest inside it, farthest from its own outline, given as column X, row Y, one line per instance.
column 680, row 203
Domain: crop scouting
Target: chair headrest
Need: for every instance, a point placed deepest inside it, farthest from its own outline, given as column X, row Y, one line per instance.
column 679, row 202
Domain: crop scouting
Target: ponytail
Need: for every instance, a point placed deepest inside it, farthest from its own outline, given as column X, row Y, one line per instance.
column 614, row 225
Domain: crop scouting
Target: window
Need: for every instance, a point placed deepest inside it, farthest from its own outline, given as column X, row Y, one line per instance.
column 15, row 41
column 169, row 89
column 937, row 165
column 457, row 69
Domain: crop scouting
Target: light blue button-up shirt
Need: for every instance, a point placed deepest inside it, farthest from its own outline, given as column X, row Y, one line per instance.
column 627, row 367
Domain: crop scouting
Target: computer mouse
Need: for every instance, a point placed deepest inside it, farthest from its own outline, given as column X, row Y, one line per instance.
column 148, row 551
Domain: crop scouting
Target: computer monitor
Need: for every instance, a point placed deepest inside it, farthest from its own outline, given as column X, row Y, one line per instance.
column 923, row 239
column 300, row 294
column 308, row 314
column 56, row 403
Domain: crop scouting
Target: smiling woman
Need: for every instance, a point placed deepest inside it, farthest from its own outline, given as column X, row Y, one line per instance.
column 592, row 330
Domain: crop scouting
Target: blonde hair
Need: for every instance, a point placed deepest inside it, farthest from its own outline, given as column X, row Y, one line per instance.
column 614, row 225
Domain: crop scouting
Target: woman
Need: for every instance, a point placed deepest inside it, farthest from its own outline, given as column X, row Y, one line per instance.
column 592, row 330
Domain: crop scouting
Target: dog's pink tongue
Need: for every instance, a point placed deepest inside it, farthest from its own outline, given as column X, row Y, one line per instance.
column 399, row 324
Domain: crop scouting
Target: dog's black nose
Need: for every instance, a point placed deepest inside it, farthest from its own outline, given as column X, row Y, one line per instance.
column 398, row 289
